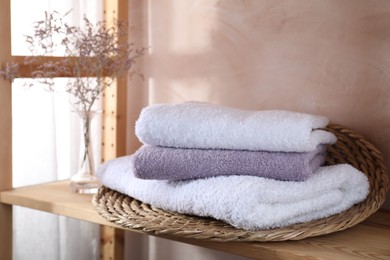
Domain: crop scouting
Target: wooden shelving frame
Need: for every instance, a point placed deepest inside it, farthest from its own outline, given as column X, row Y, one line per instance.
column 111, row 247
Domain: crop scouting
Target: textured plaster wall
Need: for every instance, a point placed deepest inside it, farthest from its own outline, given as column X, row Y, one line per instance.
column 329, row 57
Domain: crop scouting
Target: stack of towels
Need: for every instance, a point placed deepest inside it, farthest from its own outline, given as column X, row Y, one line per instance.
column 252, row 169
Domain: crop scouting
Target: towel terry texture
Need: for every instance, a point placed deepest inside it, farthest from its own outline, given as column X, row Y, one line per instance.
column 203, row 125
column 164, row 163
column 246, row 202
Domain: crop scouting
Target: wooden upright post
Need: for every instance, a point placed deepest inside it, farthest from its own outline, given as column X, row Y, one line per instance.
column 114, row 133
column 5, row 132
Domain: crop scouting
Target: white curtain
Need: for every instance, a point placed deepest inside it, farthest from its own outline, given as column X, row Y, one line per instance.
column 45, row 147
column 45, row 136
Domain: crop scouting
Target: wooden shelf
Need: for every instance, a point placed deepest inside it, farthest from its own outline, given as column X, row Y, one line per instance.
column 370, row 239
column 55, row 198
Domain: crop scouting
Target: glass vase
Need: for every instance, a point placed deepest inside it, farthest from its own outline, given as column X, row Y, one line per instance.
column 85, row 180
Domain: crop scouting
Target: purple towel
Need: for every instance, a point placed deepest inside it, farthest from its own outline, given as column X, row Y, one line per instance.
column 165, row 163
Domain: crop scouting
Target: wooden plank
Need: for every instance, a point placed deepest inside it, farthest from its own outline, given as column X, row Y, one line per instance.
column 368, row 240
column 114, row 134
column 5, row 132
column 115, row 99
column 25, row 70
column 112, row 241
column 109, row 124
column 55, row 198
column 6, row 231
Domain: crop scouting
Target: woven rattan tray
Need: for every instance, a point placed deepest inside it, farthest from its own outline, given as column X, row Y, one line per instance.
column 350, row 148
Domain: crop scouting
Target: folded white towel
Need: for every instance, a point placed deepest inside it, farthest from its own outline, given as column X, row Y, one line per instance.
column 245, row 201
column 203, row 125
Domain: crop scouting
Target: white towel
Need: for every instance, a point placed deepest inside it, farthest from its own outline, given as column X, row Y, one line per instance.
column 203, row 125
column 245, row 202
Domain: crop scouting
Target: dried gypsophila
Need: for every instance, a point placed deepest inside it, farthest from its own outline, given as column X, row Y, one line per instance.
column 10, row 72
column 95, row 50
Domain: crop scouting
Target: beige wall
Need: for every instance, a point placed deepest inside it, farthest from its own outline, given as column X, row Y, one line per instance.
column 329, row 57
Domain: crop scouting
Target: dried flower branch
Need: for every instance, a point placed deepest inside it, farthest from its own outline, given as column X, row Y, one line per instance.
column 95, row 55
column 10, row 72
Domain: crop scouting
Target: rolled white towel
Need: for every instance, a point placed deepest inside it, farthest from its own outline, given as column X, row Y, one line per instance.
column 245, row 201
column 203, row 125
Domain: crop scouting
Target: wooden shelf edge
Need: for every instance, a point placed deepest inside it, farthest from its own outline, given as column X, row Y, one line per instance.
column 56, row 198
column 373, row 235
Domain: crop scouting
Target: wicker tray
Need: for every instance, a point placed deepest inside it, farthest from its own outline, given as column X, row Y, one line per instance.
column 350, row 148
